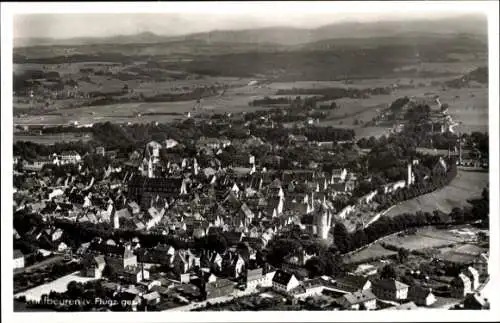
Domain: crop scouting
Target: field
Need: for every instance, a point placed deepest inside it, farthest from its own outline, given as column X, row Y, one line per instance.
column 465, row 186
column 59, row 285
column 429, row 238
column 50, row 139
column 367, row 254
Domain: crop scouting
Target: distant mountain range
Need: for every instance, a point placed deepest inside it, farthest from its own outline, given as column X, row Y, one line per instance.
column 472, row 25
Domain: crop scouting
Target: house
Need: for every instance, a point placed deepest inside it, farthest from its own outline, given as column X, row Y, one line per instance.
column 170, row 143
column 255, row 277
column 390, row 289
column 70, row 157
column 297, row 139
column 100, row 151
column 421, row 296
column 404, row 307
column 353, row 283
column 460, row 286
column 134, row 274
column 18, row 259
column 93, row 266
column 339, row 175
column 473, row 276
column 360, row 300
column 365, row 270
column 152, row 298
column 219, row 288
column 284, row 282
column 36, row 165
column 122, row 259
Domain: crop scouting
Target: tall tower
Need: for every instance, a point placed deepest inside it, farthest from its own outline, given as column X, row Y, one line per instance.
column 409, row 180
column 150, row 168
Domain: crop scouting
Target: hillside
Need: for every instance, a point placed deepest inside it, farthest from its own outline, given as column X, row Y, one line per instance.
column 470, row 24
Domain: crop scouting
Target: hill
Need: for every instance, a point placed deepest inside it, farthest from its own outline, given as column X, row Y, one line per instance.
column 469, row 24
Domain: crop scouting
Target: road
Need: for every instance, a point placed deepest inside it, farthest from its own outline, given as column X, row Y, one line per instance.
column 222, row 299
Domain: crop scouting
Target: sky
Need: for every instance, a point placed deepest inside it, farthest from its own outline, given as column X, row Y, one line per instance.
column 214, row 17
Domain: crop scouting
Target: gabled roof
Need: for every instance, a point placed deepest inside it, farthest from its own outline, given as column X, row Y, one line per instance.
column 389, row 284
column 282, row 277
column 353, row 282
column 357, row 297
column 418, row 291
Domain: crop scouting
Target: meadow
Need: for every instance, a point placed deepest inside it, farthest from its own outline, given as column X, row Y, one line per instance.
column 467, row 185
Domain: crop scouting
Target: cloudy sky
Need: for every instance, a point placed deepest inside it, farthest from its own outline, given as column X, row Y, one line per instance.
column 68, row 25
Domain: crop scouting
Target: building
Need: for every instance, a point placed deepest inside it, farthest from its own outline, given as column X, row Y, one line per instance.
column 100, row 151
column 403, row 307
column 18, row 259
column 144, row 189
column 353, row 283
column 255, row 277
column 473, row 276
column 390, row 289
column 284, row 282
column 360, row 300
column 152, row 298
column 460, row 286
column 120, row 260
column 134, row 274
column 70, row 157
column 219, row 288
column 421, row 296
column 93, row 266
column 339, row 175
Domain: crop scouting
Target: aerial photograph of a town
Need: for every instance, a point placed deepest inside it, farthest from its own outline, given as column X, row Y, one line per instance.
column 203, row 162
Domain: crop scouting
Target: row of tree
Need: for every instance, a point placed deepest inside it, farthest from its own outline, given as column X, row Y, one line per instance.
column 345, row 241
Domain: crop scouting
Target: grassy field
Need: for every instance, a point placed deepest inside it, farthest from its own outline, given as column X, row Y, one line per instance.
column 428, row 238
column 371, row 252
column 465, row 186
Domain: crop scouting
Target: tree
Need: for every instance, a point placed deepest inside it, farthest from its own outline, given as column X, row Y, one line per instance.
column 341, row 237
column 403, row 255
column 315, row 266
column 388, row 272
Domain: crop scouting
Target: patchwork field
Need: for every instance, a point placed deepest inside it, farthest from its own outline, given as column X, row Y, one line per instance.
column 465, row 186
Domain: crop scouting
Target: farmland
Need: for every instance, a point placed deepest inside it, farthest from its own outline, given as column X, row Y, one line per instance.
column 465, row 186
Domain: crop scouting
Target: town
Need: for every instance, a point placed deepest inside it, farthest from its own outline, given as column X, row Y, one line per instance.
column 249, row 215
column 242, row 170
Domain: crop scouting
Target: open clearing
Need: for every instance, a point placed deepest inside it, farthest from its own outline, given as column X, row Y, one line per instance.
column 428, row 238
column 367, row 254
column 465, row 186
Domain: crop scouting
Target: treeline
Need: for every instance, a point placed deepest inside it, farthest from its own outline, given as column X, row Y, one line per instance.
column 270, row 101
column 346, row 241
column 479, row 75
column 436, row 181
column 336, row 92
column 29, row 150
column 398, row 104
